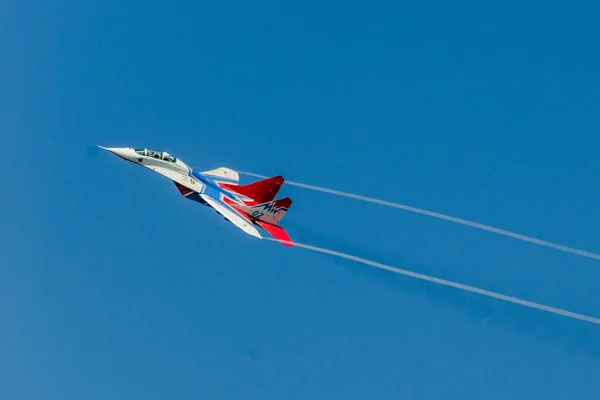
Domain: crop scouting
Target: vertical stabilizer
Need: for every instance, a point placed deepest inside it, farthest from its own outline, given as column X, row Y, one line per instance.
column 261, row 191
column 271, row 212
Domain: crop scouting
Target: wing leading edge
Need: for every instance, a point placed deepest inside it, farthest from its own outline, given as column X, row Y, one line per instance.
column 231, row 216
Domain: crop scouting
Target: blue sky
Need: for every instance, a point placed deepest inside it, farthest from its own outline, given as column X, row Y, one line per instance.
column 114, row 286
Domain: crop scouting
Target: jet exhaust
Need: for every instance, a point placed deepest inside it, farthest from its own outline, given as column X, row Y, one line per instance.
column 456, row 285
column 445, row 217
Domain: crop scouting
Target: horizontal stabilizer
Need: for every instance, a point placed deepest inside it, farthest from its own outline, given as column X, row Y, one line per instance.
column 277, row 232
column 261, row 191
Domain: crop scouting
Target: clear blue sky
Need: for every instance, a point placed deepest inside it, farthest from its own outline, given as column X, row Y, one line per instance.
column 114, row 286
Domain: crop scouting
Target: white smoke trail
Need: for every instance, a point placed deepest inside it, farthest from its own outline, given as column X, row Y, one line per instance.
column 433, row 214
column 444, row 282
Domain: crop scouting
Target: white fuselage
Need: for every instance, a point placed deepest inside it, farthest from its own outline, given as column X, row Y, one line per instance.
column 212, row 188
column 161, row 163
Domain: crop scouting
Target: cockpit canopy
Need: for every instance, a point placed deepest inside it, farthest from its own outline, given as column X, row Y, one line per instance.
column 159, row 155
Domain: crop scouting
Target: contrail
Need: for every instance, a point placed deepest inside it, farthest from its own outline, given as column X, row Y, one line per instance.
column 444, row 282
column 433, row 214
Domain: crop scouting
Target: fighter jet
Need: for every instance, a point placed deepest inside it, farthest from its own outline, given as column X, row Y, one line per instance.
column 245, row 206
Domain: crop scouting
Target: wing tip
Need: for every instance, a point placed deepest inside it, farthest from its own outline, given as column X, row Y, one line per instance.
column 277, row 232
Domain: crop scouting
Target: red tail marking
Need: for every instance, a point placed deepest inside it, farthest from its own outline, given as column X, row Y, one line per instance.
column 277, row 232
column 261, row 191
column 286, row 202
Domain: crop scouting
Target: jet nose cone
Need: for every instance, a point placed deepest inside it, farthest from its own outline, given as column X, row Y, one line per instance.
column 126, row 153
